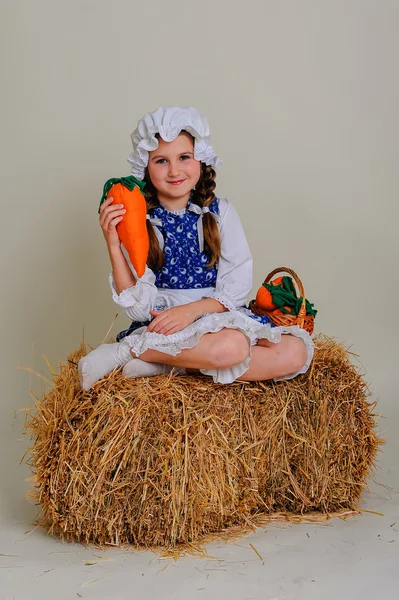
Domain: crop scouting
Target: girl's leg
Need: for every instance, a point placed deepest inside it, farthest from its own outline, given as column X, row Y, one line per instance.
column 220, row 349
column 101, row 361
column 230, row 347
column 214, row 350
column 270, row 361
column 139, row 368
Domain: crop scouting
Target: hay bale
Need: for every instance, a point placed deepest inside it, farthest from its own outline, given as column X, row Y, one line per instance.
column 167, row 460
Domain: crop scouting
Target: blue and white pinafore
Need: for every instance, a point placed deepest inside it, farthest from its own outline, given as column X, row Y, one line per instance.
column 184, row 277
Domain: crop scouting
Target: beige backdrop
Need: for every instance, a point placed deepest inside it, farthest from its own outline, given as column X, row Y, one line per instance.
column 302, row 98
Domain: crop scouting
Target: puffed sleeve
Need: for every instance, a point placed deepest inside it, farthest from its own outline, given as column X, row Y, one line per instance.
column 136, row 301
column 234, row 277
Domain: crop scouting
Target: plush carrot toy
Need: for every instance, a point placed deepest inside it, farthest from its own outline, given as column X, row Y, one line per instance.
column 280, row 296
column 132, row 230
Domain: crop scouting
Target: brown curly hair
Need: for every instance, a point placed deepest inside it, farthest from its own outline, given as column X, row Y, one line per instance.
column 203, row 195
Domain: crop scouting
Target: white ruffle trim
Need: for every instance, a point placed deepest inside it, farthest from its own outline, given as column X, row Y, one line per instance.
column 141, row 293
column 141, row 340
column 136, row 300
column 223, row 297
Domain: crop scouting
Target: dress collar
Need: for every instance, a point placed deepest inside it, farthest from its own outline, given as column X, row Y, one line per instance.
column 156, row 219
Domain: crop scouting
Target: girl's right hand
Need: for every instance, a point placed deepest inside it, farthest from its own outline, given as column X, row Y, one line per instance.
column 110, row 216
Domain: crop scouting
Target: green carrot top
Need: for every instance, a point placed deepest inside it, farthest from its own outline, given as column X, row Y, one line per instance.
column 129, row 182
column 284, row 294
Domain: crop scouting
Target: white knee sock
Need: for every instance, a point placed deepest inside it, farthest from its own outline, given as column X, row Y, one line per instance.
column 102, row 361
column 139, row 368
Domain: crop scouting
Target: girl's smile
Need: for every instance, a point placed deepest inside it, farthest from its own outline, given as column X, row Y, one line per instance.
column 177, row 182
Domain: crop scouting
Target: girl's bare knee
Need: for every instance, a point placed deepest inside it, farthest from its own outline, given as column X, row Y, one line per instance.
column 230, row 349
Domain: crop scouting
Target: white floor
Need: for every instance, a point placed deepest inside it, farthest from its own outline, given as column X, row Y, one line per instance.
column 353, row 559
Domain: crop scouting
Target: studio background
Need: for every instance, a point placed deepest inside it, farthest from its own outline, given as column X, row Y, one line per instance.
column 302, row 99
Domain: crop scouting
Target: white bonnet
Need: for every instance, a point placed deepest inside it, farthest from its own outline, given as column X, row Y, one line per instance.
column 168, row 122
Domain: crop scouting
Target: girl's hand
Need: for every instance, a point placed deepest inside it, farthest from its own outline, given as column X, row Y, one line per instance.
column 110, row 216
column 173, row 319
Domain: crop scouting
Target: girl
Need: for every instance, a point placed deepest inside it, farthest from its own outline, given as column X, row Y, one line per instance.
column 188, row 309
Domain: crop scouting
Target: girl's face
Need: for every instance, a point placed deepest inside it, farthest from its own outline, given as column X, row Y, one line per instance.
column 173, row 171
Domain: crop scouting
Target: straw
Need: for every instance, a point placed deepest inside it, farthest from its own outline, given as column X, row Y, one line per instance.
column 172, row 460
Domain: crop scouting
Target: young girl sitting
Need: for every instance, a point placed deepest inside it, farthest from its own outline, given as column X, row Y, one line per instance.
column 188, row 309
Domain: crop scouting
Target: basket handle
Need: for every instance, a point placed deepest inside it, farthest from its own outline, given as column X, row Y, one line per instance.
column 302, row 310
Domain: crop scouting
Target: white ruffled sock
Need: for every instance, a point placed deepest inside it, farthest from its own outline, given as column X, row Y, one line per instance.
column 139, row 368
column 102, row 361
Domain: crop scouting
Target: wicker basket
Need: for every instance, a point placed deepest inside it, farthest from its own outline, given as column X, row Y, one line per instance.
column 304, row 321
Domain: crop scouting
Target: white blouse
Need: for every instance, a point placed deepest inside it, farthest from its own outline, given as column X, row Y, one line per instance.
column 233, row 282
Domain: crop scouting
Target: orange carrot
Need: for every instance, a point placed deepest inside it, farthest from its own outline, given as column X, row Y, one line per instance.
column 132, row 230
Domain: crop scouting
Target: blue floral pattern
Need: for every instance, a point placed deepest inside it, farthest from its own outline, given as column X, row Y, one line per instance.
column 184, row 265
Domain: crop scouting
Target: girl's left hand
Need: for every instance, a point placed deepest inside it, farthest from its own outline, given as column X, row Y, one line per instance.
column 172, row 320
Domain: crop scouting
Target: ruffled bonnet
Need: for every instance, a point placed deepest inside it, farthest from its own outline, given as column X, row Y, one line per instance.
column 169, row 122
